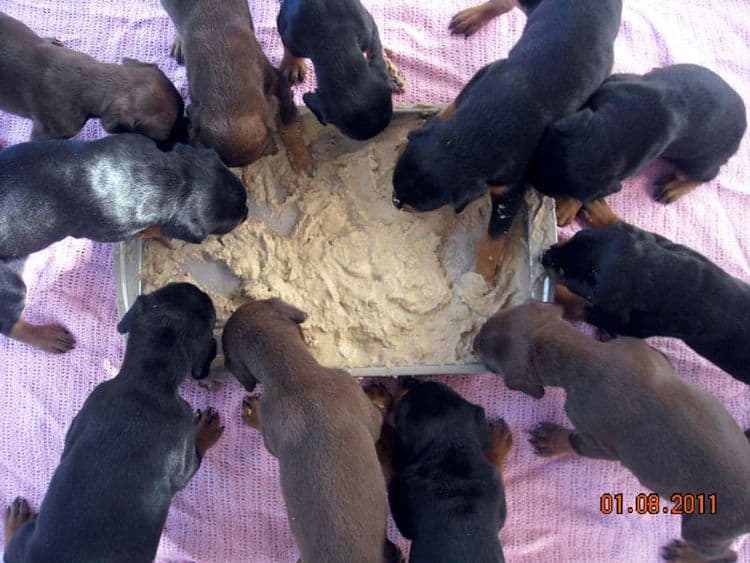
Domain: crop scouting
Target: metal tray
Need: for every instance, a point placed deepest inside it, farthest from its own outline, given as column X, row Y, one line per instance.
column 129, row 256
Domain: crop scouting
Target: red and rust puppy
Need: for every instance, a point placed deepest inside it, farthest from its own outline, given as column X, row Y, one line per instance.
column 489, row 134
column 238, row 99
column 60, row 89
column 628, row 404
column 321, row 427
column 446, row 482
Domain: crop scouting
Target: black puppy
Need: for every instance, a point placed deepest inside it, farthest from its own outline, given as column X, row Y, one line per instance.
column 639, row 284
column 108, row 190
column 685, row 114
column 354, row 87
column 489, row 134
column 60, row 89
column 133, row 445
column 446, row 491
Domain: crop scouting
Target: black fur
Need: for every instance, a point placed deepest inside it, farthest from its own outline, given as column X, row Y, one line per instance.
column 108, row 190
column 353, row 93
column 685, row 114
column 445, row 495
column 503, row 111
column 132, row 445
column 643, row 285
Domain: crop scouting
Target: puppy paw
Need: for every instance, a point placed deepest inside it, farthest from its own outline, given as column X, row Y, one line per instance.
column 598, row 214
column 566, row 209
column 549, row 440
column 16, row 515
column 680, row 551
column 211, row 385
column 52, row 338
column 380, row 397
column 671, row 189
column 176, row 50
column 501, row 441
column 250, row 414
column 471, row 20
column 208, row 430
column 293, row 68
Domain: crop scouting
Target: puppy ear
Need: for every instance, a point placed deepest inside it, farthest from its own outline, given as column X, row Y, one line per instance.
column 288, row 310
column 121, row 120
column 203, row 366
column 313, row 101
column 578, row 124
column 133, row 313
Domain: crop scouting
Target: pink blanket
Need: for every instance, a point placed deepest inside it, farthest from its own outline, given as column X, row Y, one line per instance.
column 233, row 509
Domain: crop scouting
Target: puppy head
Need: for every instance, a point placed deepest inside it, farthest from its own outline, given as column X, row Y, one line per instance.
column 431, row 413
column 507, row 341
column 424, row 178
column 257, row 332
column 150, row 105
column 574, row 159
column 581, row 262
column 215, row 202
column 179, row 317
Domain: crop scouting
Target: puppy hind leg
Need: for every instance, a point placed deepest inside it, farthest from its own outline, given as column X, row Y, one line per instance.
column 549, row 439
column 471, row 20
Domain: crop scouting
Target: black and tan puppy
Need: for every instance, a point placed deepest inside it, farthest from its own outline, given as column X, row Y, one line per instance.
column 238, row 99
column 133, row 445
column 341, row 38
column 108, row 190
column 321, row 427
column 639, row 284
column 446, row 491
column 685, row 114
column 60, row 89
column 488, row 135
column 628, row 404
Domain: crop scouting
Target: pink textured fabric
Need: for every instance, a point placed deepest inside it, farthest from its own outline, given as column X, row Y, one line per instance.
column 233, row 511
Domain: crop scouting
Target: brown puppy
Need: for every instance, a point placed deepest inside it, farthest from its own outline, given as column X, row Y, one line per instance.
column 628, row 404
column 237, row 96
column 60, row 89
column 322, row 428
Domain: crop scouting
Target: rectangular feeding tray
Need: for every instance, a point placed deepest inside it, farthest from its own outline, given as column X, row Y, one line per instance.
column 301, row 234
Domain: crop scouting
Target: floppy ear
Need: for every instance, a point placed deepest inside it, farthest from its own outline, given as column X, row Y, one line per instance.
column 288, row 310
column 313, row 102
column 578, row 124
column 133, row 313
column 203, row 367
column 120, row 121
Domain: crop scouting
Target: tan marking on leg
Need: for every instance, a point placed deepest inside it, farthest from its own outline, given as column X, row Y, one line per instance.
column 677, row 188
column 566, row 209
column 599, row 214
column 16, row 515
column 52, row 338
column 469, row 21
column 489, row 254
column 574, row 306
column 251, row 412
column 299, row 153
column 294, row 69
column 155, row 233
column 447, row 112
column 550, row 440
column 208, row 430
column 501, row 441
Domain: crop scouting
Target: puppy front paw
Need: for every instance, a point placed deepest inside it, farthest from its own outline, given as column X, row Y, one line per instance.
column 16, row 515
column 208, row 430
column 176, row 50
column 501, row 441
column 250, row 413
column 52, row 338
column 550, row 439
column 471, row 20
column 671, row 188
column 294, row 69
column 566, row 209
column 599, row 214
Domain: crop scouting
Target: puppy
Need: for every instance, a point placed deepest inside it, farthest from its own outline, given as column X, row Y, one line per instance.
column 108, row 190
column 488, row 135
column 237, row 96
column 627, row 403
column 640, row 284
column 60, row 89
column 132, row 446
column 321, row 427
column 468, row 22
column 354, row 91
column 446, row 492
column 685, row 114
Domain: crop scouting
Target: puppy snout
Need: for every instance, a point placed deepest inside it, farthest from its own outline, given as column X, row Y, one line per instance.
column 549, row 258
column 396, row 202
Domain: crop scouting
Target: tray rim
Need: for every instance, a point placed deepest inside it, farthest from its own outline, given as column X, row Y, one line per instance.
column 128, row 256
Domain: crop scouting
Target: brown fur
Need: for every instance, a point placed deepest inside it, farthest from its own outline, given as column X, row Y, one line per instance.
column 238, row 98
column 628, row 404
column 60, row 89
column 321, row 427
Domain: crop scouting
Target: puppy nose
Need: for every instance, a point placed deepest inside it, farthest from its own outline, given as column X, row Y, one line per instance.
column 548, row 259
column 396, row 202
